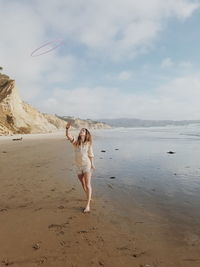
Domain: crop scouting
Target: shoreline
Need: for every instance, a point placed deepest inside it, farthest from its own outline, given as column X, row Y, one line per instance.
column 42, row 223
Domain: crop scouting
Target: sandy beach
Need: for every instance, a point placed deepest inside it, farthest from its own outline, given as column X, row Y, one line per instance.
column 42, row 221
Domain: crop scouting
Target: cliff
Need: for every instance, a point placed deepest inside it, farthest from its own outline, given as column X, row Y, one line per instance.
column 18, row 117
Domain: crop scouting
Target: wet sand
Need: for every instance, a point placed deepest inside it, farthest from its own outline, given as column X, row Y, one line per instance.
column 42, row 221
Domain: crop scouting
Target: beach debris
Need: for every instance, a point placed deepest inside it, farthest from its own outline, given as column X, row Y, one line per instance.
column 36, row 246
column 110, row 158
column 103, row 150
column 4, row 152
column 6, row 262
column 101, row 263
column 17, row 139
column 171, row 152
column 53, row 189
column 109, row 185
column 112, row 177
column 116, row 148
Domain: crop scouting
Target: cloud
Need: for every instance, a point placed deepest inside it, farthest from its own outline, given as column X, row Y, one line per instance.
column 93, row 30
column 22, row 31
column 121, row 76
column 176, row 100
column 112, row 29
column 124, row 75
column 185, row 64
column 167, row 62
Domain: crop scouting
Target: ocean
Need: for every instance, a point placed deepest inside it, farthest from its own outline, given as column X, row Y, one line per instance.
column 137, row 160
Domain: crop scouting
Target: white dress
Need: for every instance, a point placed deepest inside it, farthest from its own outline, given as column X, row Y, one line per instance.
column 81, row 157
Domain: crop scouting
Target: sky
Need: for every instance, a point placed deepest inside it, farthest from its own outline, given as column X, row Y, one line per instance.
column 114, row 59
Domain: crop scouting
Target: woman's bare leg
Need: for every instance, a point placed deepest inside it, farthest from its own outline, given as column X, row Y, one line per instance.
column 82, row 180
column 87, row 178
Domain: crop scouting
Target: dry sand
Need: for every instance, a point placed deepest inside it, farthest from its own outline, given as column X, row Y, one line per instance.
column 42, row 221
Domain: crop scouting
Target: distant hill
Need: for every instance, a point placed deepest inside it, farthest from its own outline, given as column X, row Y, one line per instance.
column 127, row 122
column 88, row 123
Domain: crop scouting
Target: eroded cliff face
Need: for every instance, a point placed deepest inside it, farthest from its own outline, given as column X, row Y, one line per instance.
column 18, row 117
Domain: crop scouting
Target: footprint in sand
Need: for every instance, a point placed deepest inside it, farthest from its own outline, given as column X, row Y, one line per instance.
column 7, row 262
column 139, row 254
column 37, row 209
column 2, row 210
column 41, row 260
column 70, row 190
column 62, row 242
column 22, row 206
column 61, row 233
column 58, row 227
column 61, row 207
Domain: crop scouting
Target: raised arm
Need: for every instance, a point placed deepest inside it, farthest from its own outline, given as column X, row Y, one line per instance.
column 69, row 137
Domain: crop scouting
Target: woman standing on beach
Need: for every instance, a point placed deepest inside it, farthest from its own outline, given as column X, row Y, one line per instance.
column 84, row 160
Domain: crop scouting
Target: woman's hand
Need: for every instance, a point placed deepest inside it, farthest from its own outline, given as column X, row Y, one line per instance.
column 93, row 168
column 68, row 125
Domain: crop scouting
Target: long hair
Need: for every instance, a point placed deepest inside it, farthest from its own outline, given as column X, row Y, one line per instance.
column 88, row 138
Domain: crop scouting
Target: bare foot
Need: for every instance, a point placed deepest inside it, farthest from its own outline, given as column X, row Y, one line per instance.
column 87, row 209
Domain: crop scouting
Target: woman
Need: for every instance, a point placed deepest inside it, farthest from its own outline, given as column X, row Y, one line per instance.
column 84, row 160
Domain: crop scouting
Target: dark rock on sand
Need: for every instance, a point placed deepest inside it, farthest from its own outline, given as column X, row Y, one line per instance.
column 171, row 152
column 16, row 139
